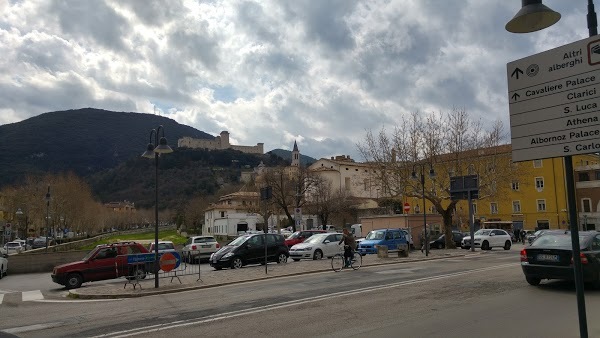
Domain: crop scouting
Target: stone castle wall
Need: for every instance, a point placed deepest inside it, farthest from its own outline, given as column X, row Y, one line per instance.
column 219, row 142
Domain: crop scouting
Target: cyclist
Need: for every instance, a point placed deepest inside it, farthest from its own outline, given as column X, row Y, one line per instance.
column 349, row 246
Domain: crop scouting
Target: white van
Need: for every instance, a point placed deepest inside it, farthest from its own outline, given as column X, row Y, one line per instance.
column 356, row 230
column 330, row 228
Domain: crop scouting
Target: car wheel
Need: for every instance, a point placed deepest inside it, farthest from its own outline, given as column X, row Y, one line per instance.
column 217, row 267
column 296, row 259
column 236, row 263
column 137, row 274
column 507, row 245
column 74, row 280
column 318, row 254
column 282, row 258
column 533, row 280
column 485, row 245
column 440, row 246
column 1, row 271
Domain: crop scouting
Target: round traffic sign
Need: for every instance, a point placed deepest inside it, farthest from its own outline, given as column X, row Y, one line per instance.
column 406, row 207
column 167, row 262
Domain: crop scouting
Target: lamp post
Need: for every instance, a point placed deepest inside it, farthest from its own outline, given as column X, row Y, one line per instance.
column 19, row 213
column 532, row 17
column 414, row 176
column 47, row 217
column 153, row 150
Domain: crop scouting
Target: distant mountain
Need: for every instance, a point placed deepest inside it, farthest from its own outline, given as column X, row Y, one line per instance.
column 84, row 141
column 287, row 155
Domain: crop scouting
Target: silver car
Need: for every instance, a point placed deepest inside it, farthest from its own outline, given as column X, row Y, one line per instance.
column 198, row 247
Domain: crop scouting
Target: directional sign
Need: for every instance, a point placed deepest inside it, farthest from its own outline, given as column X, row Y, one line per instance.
column 554, row 102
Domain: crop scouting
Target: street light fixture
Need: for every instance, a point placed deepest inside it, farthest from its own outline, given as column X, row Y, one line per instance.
column 532, row 17
column 414, row 176
column 47, row 217
column 153, row 150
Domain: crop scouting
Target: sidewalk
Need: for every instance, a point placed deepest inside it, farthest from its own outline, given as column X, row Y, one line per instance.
column 211, row 278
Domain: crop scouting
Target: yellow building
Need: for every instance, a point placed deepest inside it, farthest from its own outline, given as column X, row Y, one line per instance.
column 535, row 199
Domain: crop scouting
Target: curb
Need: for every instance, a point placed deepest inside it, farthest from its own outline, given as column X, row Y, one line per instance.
column 75, row 295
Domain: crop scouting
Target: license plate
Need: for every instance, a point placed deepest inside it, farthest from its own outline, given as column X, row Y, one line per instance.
column 547, row 258
column 206, row 246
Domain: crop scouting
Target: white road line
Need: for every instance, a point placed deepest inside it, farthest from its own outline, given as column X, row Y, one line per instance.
column 1, row 297
column 228, row 315
column 32, row 327
column 28, row 296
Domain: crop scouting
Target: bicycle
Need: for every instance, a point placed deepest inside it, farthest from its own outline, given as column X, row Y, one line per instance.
column 338, row 261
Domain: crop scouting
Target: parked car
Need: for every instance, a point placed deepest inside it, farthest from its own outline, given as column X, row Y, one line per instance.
column 14, row 247
column 3, row 265
column 551, row 257
column 301, row 236
column 317, row 247
column 198, row 247
column 486, row 239
column 250, row 249
column 532, row 237
column 106, row 261
column 440, row 242
column 392, row 238
column 24, row 244
column 163, row 246
column 40, row 242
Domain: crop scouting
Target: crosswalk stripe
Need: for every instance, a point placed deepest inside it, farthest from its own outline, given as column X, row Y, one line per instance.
column 32, row 295
column 1, row 297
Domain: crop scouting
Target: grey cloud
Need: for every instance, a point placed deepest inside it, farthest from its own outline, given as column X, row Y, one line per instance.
column 156, row 13
column 195, row 46
column 48, row 53
column 324, row 22
column 91, row 19
column 254, row 21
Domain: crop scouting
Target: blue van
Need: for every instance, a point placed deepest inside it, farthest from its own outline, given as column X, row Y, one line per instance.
column 391, row 238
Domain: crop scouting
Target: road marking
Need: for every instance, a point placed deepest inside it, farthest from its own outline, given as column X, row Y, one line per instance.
column 28, row 296
column 32, row 327
column 228, row 315
column 1, row 297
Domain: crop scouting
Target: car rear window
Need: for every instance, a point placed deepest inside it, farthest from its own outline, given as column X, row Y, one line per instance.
column 557, row 241
column 204, row 240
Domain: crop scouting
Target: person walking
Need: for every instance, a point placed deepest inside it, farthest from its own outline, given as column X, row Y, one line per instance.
column 523, row 236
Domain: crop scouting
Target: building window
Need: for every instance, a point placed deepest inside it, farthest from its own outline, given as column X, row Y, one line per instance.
column 587, row 205
column 346, row 168
column 515, row 185
column 516, row 207
column 539, row 183
column 598, row 175
column 537, row 163
column 584, row 177
column 494, row 208
column 222, row 214
column 541, row 205
column 347, row 183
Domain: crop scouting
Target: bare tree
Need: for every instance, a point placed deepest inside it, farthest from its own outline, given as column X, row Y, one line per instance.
column 451, row 144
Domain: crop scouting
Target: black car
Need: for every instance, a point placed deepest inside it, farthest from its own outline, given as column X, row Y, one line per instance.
column 440, row 242
column 551, row 257
column 535, row 235
column 250, row 249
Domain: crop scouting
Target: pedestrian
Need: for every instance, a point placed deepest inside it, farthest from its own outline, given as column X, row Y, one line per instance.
column 523, row 235
column 517, row 235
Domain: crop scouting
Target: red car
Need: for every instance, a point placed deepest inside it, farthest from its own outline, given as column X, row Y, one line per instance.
column 106, row 261
column 300, row 236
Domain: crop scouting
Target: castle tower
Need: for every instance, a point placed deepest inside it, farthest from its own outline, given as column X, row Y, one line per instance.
column 295, row 156
column 225, row 140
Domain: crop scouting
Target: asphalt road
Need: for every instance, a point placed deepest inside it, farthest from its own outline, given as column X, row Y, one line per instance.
column 485, row 295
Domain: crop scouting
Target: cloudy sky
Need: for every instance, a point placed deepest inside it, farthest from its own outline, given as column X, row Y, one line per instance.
column 321, row 72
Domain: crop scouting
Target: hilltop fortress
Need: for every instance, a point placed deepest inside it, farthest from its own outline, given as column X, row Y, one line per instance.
column 219, row 142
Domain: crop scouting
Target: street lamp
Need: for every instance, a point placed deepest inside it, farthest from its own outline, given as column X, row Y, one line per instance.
column 414, row 176
column 153, row 150
column 532, row 17
column 47, row 216
column 19, row 213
